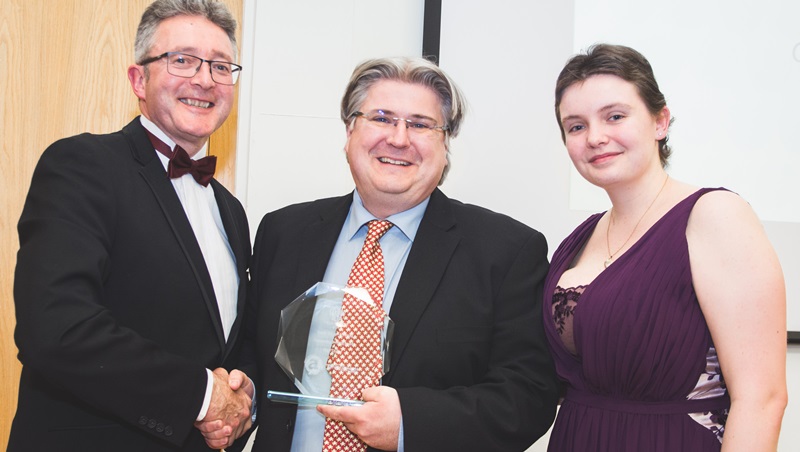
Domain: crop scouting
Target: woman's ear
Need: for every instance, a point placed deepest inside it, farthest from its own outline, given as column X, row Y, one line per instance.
column 662, row 123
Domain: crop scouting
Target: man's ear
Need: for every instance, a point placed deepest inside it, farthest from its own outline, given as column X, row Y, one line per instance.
column 138, row 79
column 349, row 131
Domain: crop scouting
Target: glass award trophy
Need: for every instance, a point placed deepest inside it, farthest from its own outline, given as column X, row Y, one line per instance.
column 307, row 334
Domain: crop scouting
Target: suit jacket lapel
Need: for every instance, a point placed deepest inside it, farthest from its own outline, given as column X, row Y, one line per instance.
column 433, row 247
column 154, row 174
column 321, row 235
column 313, row 252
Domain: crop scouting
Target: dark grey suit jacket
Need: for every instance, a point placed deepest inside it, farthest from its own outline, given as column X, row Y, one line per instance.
column 116, row 314
column 469, row 362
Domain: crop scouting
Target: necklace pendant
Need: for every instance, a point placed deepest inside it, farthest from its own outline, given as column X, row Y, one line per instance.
column 607, row 262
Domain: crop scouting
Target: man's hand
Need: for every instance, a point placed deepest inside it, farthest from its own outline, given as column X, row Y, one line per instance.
column 228, row 415
column 377, row 422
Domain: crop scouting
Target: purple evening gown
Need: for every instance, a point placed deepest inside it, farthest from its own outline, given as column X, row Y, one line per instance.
column 633, row 348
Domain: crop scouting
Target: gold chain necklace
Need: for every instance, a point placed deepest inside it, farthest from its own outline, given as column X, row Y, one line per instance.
column 611, row 219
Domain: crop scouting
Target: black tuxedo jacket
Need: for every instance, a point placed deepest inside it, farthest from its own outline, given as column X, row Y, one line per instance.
column 116, row 314
column 469, row 358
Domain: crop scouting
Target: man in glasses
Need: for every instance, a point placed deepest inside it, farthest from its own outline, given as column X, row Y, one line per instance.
column 132, row 267
column 469, row 368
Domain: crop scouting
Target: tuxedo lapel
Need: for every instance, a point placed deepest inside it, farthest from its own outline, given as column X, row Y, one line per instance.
column 232, row 229
column 433, row 247
column 154, row 174
column 234, row 232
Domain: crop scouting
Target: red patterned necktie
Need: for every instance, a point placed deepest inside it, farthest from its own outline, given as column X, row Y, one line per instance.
column 355, row 361
column 180, row 163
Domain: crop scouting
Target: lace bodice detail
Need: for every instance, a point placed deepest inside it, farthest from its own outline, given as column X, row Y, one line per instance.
column 564, row 303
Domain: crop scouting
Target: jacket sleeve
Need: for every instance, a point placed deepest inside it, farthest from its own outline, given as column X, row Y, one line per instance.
column 66, row 334
column 510, row 404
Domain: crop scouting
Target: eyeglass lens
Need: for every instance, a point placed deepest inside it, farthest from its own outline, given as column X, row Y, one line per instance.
column 183, row 65
column 417, row 125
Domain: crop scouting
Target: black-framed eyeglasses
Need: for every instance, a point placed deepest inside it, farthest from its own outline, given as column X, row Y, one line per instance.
column 187, row 66
column 417, row 126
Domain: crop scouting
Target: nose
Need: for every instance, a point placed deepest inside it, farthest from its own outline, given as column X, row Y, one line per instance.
column 596, row 136
column 203, row 77
column 398, row 135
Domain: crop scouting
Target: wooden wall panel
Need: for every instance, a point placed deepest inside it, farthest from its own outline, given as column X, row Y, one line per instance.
column 62, row 72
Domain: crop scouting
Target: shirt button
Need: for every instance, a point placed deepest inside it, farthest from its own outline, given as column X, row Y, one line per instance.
column 168, row 430
column 151, row 424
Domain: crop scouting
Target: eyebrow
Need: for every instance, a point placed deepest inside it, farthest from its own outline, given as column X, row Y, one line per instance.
column 609, row 107
column 616, row 106
column 215, row 54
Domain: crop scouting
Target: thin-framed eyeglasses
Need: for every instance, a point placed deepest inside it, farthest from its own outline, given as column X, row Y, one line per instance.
column 187, row 66
column 421, row 126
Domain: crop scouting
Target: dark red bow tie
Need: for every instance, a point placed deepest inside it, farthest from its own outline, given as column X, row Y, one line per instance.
column 180, row 163
column 202, row 169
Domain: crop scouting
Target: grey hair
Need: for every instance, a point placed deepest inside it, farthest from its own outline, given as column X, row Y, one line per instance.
column 160, row 10
column 418, row 71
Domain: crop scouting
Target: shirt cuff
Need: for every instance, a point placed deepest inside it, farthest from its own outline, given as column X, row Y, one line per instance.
column 400, row 446
column 207, row 399
column 254, row 405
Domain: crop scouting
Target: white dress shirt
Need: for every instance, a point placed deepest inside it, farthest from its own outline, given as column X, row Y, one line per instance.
column 202, row 210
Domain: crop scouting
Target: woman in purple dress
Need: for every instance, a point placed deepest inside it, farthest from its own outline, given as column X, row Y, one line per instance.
column 668, row 313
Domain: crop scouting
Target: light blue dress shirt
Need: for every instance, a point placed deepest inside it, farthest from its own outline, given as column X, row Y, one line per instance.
column 395, row 245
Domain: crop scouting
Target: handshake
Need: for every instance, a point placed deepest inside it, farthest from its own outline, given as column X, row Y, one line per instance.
column 228, row 416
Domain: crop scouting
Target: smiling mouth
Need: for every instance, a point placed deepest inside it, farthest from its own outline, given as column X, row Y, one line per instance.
column 197, row 103
column 393, row 162
column 602, row 157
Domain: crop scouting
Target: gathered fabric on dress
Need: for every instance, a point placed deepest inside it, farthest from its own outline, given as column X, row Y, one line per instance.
column 633, row 348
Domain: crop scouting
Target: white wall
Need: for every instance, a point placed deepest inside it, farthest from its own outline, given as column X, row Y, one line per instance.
column 298, row 57
column 505, row 55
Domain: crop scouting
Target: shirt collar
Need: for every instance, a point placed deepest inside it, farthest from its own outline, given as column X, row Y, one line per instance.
column 406, row 222
column 153, row 128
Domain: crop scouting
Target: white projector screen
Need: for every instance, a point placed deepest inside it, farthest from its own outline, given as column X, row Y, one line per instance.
column 730, row 72
column 732, row 79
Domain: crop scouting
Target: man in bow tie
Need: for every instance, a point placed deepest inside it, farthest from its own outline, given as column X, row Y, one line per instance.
column 132, row 268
